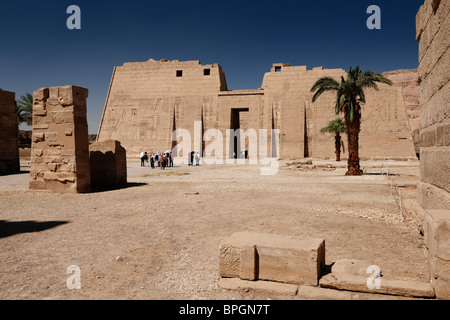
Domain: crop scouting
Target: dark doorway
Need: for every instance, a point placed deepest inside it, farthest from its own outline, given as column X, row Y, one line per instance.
column 235, row 138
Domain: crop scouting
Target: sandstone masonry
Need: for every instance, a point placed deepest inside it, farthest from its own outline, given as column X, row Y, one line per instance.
column 147, row 101
column 9, row 148
column 60, row 148
column 433, row 34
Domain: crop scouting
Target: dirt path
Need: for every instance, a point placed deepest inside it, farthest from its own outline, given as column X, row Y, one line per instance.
column 159, row 238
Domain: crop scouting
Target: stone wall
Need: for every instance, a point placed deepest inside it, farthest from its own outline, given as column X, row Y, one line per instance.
column 108, row 162
column 407, row 80
column 433, row 34
column 148, row 100
column 9, row 149
column 60, row 147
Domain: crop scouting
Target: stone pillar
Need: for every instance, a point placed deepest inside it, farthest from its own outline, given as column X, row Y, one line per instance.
column 433, row 34
column 9, row 148
column 60, row 144
column 108, row 160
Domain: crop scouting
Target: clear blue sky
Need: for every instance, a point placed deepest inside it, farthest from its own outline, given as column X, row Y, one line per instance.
column 244, row 37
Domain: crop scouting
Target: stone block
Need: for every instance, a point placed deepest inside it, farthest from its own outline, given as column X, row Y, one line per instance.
column 432, row 197
column 350, row 282
column 54, row 163
column 38, row 137
column 435, row 167
column 41, row 94
column 9, row 138
column 428, row 138
column 437, row 236
column 442, row 288
column 265, row 287
column 272, row 257
column 437, row 240
column 108, row 164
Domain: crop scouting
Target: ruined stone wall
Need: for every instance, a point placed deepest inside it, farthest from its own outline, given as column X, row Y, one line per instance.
column 9, row 149
column 108, row 163
column 60, row 147
column 433, row 34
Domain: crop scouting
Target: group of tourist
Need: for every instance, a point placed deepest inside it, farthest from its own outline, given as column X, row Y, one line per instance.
column 162, row 160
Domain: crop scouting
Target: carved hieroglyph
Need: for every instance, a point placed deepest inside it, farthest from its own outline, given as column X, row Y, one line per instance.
column 147, row 100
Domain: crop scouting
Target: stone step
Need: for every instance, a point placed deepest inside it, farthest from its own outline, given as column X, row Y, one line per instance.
column 350, row 282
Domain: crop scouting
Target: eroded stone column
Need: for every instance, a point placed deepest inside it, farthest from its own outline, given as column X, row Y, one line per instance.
column 60, row 145
column 9, row 148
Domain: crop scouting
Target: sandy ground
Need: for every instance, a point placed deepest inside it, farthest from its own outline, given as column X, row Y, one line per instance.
column 159, row 237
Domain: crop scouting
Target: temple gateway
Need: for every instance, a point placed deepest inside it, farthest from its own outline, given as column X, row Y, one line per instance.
column 148, row 101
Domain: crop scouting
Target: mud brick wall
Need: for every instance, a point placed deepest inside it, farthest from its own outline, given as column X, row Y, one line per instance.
column 433, row 34
column 60, row 146
column 9, row 149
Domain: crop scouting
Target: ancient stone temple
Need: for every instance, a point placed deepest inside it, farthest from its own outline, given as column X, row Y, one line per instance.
column 147, row 101
column 9, row 148
column 433, row 34
column 60, row 147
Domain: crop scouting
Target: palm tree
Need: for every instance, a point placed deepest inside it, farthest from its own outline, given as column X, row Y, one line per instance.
column 24, row 109
column 336, row 126
column 349, row 98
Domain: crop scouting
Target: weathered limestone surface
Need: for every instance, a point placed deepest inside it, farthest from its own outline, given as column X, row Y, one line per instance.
column 60, row 147
column 351, row 266
column 147, row 101
column 351, row 282
column 433, row 34
column 108, row 161
column 9, row 148
column 407, row 80
column 258, row 286
column 255, row 256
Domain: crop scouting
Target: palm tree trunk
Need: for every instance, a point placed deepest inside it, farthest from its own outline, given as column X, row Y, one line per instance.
column 353, row 129
column 337, row 144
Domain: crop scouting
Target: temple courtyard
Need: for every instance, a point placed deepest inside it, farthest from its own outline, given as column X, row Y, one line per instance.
column 159, row 237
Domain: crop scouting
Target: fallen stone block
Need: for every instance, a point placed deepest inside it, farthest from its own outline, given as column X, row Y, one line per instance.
column 256, row 256
column 357, row 283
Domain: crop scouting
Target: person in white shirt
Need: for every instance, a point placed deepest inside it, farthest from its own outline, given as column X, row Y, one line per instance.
column 142, row 159
column 197, row 159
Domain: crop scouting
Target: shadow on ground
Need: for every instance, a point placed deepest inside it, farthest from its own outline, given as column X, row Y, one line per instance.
column 379, row 174
column 11, row 228
column 22, row 171
column 104, row 188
